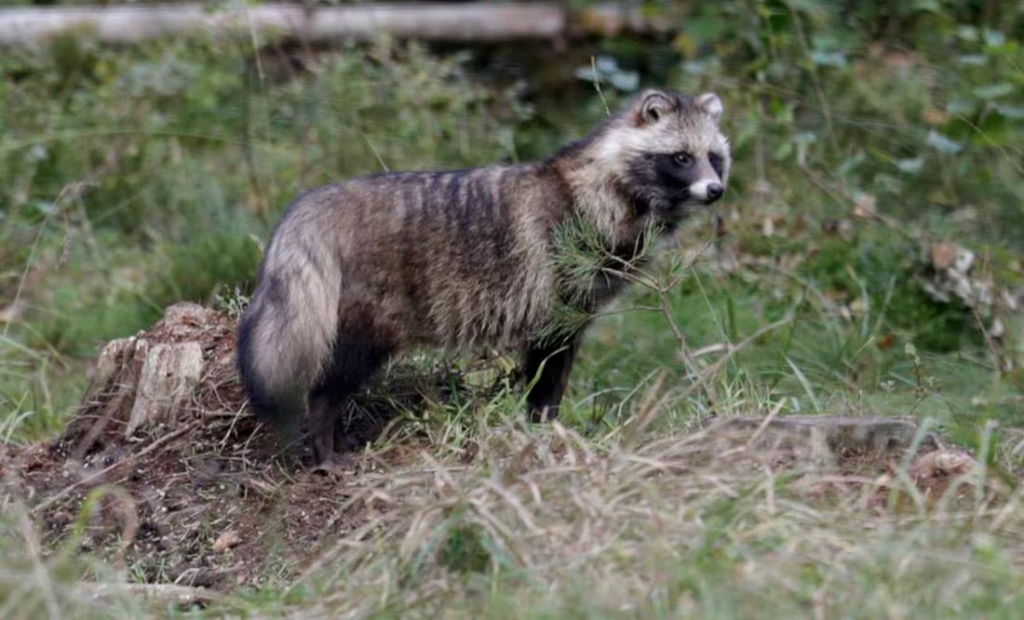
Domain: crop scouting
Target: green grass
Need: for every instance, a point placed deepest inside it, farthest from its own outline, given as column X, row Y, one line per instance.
column 134, row 177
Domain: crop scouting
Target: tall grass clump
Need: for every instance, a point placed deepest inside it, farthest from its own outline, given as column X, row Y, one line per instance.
column 551, row 523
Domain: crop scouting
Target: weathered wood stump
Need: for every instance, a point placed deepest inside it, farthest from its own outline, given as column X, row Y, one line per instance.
column 150, row 381
column 842, row 434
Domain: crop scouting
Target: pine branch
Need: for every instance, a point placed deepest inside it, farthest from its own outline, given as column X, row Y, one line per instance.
column 583, row 256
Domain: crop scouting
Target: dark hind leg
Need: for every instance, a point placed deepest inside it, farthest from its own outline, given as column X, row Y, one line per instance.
column 357, row 356
column 554, row 362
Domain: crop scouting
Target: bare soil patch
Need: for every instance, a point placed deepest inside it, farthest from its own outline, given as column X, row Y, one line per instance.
column 164, row 471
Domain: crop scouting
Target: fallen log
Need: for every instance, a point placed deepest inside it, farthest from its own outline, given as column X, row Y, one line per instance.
column 457, row 22
column 842, row 433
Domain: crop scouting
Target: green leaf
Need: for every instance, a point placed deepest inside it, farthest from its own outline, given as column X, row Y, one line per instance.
column 972, row 60
column 783, row 151
column 967, row 33
column 910, row 165
column 994, row 91
column 943, row 144
column 828, row 59
column 994, row 38
column 1014, row 112
column 705, row 29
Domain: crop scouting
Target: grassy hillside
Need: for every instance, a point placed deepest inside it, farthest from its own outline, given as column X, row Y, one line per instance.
column 866, row 260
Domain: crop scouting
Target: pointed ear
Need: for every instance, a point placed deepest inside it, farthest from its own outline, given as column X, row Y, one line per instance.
column 653, row 107
column 711, row 105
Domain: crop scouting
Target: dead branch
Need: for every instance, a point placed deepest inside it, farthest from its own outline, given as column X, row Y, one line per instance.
column 436, row 21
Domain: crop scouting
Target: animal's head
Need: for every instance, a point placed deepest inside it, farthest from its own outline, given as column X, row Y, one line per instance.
column 668, row 152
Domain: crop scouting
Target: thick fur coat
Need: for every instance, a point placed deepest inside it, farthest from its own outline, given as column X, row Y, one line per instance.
column 358, row 271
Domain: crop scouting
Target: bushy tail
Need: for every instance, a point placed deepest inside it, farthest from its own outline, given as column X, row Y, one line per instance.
column 285, row 339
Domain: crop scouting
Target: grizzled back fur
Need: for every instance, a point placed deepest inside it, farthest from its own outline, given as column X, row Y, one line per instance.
column 362, row 269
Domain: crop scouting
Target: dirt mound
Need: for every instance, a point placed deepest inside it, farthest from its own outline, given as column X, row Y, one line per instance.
column 184, row 485
column 163, row 471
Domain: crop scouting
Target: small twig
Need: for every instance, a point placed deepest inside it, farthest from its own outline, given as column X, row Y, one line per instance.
column 164, row 592
column 597, row 85
column 32, row 256
column 767, row 420
column 645, row 414
column 684, row 350
column 734, row 349
column 380, row 160
column 1000, row 362
column 1010, row 156
column 819, row 92
column 38, row 567
column 822, row 186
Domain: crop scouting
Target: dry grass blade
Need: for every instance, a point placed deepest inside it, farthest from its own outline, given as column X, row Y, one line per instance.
column 161, row 593
column 642, row 521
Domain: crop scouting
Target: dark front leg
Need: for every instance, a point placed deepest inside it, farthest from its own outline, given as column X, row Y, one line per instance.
column 359, row 351
column 328, row 431
column 554, row 363
column 323, row 420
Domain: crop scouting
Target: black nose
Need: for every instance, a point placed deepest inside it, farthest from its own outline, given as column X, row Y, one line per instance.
column 715, row 191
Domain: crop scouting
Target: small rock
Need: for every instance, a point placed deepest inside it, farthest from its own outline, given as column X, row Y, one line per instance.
column 227, row 540
column 11, row 314
column 943, row 255
column 941, row 463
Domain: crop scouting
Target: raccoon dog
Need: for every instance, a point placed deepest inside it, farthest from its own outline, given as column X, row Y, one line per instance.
column 358, row 271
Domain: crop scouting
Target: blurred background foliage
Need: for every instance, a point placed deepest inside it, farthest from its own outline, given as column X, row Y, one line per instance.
column 864, row 134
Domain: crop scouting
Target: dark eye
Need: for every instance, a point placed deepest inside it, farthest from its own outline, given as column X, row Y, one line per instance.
column 716, row 162
column 684, row 160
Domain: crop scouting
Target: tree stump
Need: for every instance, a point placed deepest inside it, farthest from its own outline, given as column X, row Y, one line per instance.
column 149, row 383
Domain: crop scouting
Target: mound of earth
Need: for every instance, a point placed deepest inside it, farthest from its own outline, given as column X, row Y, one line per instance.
column 164, row 470
column 187, row 485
